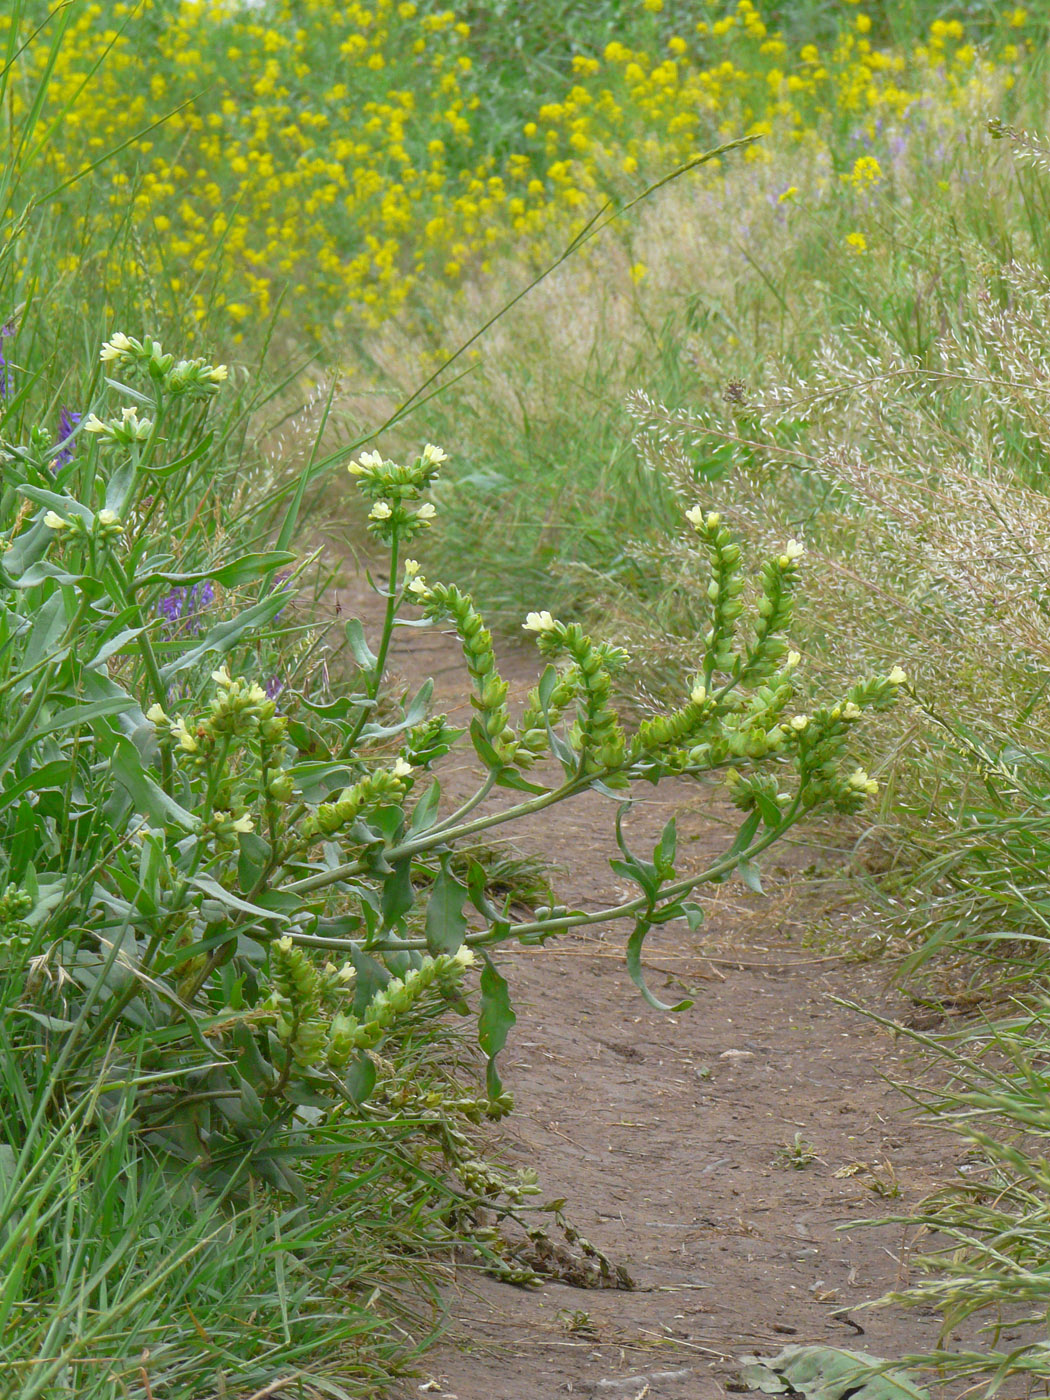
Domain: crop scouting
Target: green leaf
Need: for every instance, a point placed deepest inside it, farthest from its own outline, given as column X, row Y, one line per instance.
column 634, row 968
column 81, row 714
column 645, row 877
column 210, row 886
column 237, row 571
column 548, row 681
column 828, row 1373
column 119, row 488
column 511, row 778
column 398, row 894
column 424, row 814
column 446, row 927
column 360, row 1079
column 149, row 798
column 562, row 752
column 186, row 460
column 54, row 775
column 362, row 652
column 225, row 635
column 63, row 504
column 416, row 711
column 483, row 746
column 494, row 1022
column 253, row 858
column 664, row 853
column 749, row 873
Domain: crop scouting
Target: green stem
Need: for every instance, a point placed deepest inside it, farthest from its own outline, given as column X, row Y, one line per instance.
column 432, row 838
column 372, row 688
column 547, row 927
column 149, row 660
column 468, row 806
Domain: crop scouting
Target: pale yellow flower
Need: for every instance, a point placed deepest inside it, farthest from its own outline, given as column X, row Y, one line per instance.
column 539, row 622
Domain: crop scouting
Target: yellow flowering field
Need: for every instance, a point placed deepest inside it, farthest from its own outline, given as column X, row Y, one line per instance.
column 325, row 163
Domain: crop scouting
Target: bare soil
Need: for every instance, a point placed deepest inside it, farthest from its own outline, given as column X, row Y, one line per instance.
column 673, row 1138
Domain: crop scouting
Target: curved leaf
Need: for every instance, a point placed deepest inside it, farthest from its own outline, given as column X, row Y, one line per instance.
column 634, row 967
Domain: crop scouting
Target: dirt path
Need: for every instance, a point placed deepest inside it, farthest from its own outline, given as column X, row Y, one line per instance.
column 671, row 1137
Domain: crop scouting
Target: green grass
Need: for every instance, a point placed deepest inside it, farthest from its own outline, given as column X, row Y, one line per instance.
column 120, row 1275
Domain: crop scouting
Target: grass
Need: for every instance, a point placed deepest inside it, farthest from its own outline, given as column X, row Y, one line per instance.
column 840, row 332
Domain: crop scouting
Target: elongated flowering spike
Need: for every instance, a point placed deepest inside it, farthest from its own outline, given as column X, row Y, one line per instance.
column 598, row 736
column 297, row 999
column 723, row 591
column 820, row 741
column 348, row 1035
column 119, row 432
column 490, row 690
column 375, row 790
column 534, row 738
column 664, row 734
column 775, row 611
column 238, row 706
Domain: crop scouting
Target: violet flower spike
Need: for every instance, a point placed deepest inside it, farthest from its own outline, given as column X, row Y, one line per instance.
column 68, row 419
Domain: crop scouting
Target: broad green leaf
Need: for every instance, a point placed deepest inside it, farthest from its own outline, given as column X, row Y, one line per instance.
column 416, row 711
column 446, row 927
column 828, row 1373
column 80, row 714
column 252, row 860
column 483, row 746
column 224, row 635
column 548, row 681
column 149, row 798
column 664, row 854
column 511, row 778
column 494, row 1022
column 398, row 894
column 425, row 812
column 750, row 875
column 362, row 652
column 211, row 886
column 63, row 504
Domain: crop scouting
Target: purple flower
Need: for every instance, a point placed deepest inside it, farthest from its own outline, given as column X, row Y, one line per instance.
column 68, row 419
column 200, row 597
column 274, row 686
column 182, row 608
column 170, row 606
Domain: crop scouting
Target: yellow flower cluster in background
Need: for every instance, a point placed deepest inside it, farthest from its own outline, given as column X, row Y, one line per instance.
column 340, row 156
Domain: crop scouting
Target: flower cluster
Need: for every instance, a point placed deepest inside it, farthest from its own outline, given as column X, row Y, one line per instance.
column 129, row 428
column 15, row 904
column 395, row 491
column 597, row 735
column 190, row 379
column 235, row 746
column 378, row 789
column 349, row 1036
column 105, row 527
column 301, row 992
